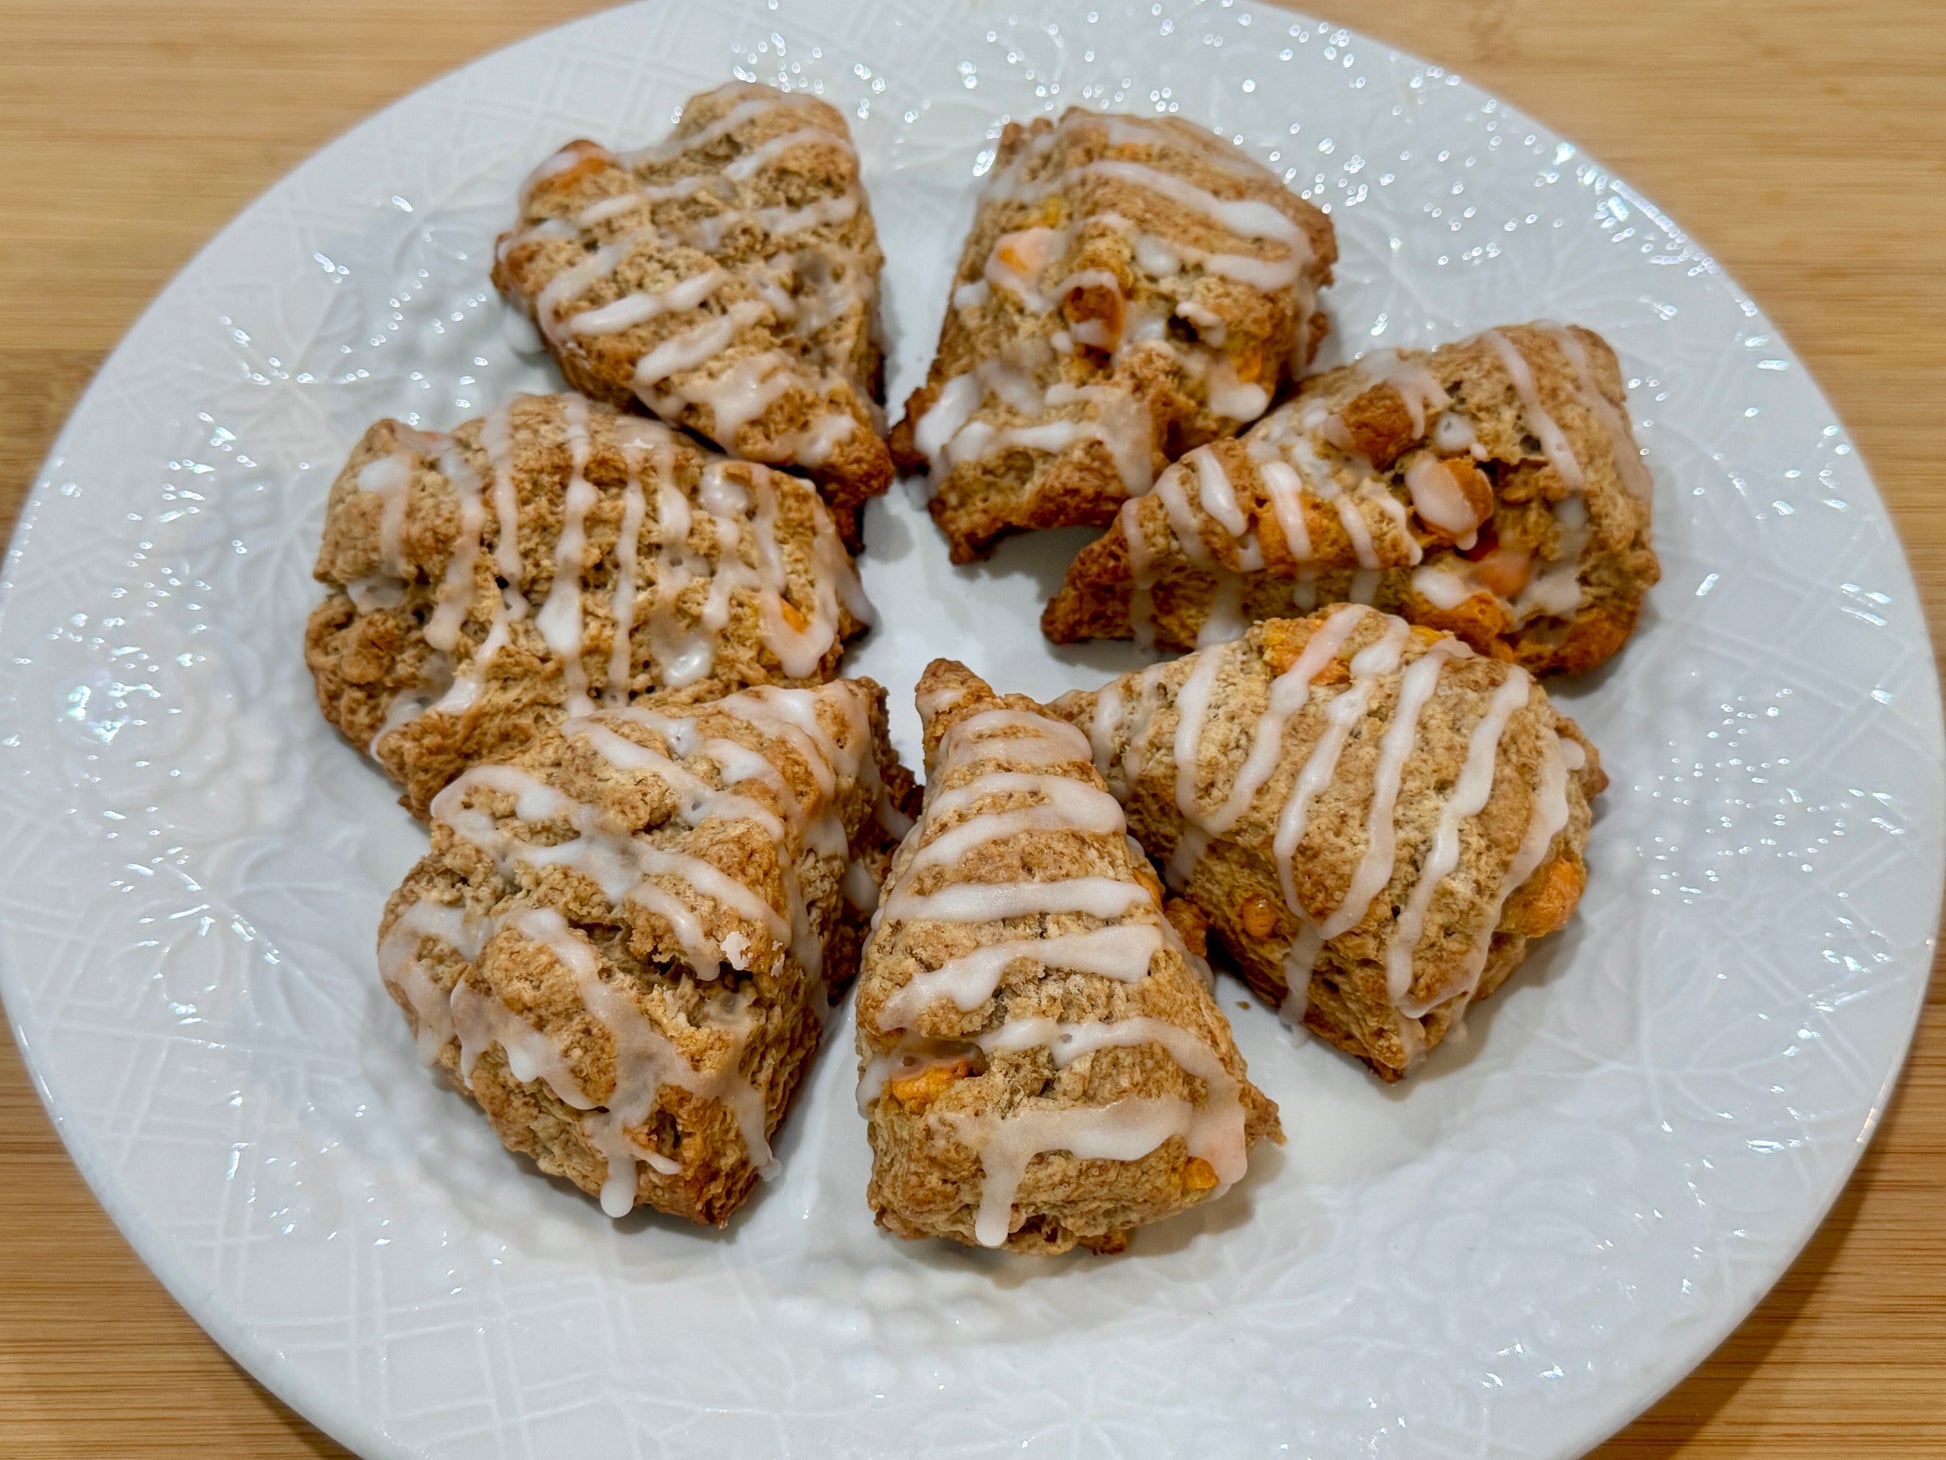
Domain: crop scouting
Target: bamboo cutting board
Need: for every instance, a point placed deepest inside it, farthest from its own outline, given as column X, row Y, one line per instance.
column 1800, row 143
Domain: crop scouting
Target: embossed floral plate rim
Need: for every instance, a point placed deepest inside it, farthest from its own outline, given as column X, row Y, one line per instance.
column 1648, row 1125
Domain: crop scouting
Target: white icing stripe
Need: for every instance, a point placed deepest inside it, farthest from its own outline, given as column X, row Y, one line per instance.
column 1215, row 494
column 715, row 131
column 1123, row 952
column 691, row 348
column 389, row 478
column 1466, row 800
column 1289, row 693
column 1192, row 710
column 507, row 606
column 1550, row 815
column 765, row 153
column 559, row 618
column 1414, row 383
column 1628, row 458
column 622, row 203
column 1374, row 871
column 638, row 308
column 992, row 902
column 645, row 1061
column 625, row 868
column 1554, row 442
column 1368, row 666
column 1126, row 1130
column 401, row 965
column 1063, row 804
column 1248, row 217
column 455, row 597
column 621, row 649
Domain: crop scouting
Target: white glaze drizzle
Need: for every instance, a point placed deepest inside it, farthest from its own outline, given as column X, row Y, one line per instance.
column 645, row 1059
column 1628, row 458
column 1554, row 441
column 1013, row 748
column 1465, row 801
column 1368, row 666
column 802, row 282
column 1015, row 265
column 559, row 618
column 747, row 559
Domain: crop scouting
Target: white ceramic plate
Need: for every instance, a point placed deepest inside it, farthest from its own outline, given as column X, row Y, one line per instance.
column 1510, row 1254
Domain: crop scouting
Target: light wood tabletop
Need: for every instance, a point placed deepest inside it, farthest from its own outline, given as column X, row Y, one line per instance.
column 1803, row 144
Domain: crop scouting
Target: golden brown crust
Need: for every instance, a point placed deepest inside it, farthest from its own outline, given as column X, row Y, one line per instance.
column 1275, row 871
column 442, row 641
column 736, row 268
column 1494, row 541
column 620, row 942
column 1131, row 287
column 955, row 1067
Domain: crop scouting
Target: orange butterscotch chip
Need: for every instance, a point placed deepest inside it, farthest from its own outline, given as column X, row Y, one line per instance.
column 1188, row 920
column 1425, row 636
column 1198, row 1174
column 1504, row 571
column 1478, row 618
column 1248, row 363
column 1471, row 486
column 793, row 616
column 1379, row 425
column 1258, row 914
column 589, row 158
column 925, row 1087
column 1145, row 875
column 1283, row 640
column 1543, row 904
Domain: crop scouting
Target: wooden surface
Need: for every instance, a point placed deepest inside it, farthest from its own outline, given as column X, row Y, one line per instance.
column 1801, row 143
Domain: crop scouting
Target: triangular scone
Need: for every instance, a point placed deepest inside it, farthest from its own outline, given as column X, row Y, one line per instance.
column 479, row 579
column 1374, row 818
column 1132, row 287
column 1491, row 488
column 727, row 278
column 1043, row 1063
column 622, row 939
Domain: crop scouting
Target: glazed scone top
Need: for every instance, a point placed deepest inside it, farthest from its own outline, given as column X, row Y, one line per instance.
column 727, row 277
column 1491, row 487
column 1130, row 281
column 657, row 858
column 1020, row 930
column 593, row 556
column 1402, row 788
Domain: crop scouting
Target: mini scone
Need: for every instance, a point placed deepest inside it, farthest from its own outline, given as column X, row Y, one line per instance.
column 1374, row 818
column 727, row 278
column 1491, row 488
column 1131, row 287
column 1043, row 1065
column 621, row 942
column 554, row 556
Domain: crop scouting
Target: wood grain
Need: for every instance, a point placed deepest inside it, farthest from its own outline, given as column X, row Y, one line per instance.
column 1803, row 144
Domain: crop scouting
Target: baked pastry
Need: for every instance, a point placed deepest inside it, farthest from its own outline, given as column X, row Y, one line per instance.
column 727, row 278
column 1491, row 488
column 1132, row 287
column 1043, row 1063
column 551, row 557
column 621, row 941
column 1374, row 818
